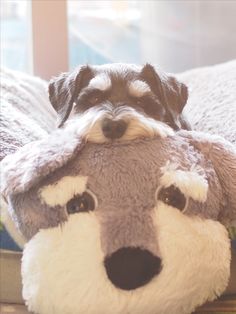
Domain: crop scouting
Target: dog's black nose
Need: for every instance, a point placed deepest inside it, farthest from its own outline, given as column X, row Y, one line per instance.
column 130, row 268
column 113, row 129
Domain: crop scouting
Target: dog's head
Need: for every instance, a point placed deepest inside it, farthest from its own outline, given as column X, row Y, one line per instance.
column 122, row 92
column 134, row 227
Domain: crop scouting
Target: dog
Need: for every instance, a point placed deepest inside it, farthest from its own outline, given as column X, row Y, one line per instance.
column 119, row 101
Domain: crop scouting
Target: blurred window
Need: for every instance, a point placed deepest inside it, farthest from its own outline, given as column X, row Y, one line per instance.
column 15, row 34
column 176, row 35
column 103, row 31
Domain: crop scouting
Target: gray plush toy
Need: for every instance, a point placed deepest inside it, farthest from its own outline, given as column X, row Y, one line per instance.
column 125, row 227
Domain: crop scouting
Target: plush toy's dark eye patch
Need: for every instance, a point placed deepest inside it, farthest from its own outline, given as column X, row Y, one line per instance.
column 80, row 203
column 172, row 196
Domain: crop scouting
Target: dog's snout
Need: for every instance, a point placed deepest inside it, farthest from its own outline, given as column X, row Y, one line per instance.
column 113, row 129
column 130, row 268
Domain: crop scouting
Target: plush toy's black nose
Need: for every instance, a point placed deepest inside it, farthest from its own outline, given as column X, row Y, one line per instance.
column 130, row 268
column 113, row 129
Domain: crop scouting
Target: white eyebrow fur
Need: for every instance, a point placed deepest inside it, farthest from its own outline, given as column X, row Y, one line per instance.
column 138, row 88
column 52, row 194
column 191, row 183
column 101, row 81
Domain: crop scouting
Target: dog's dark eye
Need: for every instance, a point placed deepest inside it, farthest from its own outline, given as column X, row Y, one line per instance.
column 172, row 196
column 95, row 99
column 141, row 101
column 150, row 106
column 138, row 101
column 80, row 203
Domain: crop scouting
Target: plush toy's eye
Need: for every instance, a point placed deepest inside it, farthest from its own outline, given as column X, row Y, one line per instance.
column 80, row 203
column 172, row 196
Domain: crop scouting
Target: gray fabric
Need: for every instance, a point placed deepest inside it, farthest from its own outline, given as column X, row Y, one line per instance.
column 222, row 155
column 26, row 113
column 211, row 105
column 38, row 159
column 123, row 176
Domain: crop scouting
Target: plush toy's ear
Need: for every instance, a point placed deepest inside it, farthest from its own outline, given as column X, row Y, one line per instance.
column 173, row 94
column 222, row 154
column 64, row 89
column 34, row 161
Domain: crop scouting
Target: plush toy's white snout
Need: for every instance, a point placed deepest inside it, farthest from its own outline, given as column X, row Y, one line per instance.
column 67, row 263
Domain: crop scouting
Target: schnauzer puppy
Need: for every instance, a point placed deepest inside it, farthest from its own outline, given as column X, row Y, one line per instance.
column 119, row 101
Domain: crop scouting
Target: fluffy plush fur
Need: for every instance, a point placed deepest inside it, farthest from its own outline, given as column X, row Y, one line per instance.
column 52, row 194
column 25, row 116
column 63, row 264
column 82, row 285
column 125, row 180
column 192, row 183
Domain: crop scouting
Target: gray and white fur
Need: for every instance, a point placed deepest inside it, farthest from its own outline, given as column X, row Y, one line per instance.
column 123, row 99
column 93, row 211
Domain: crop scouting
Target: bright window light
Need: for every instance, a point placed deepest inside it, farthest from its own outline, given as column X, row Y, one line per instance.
column 176, row 35
column 15, row 34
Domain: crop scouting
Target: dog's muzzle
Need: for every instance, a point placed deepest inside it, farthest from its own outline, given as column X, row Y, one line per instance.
column 130, row 268
column 113, row 129
column 102, row 124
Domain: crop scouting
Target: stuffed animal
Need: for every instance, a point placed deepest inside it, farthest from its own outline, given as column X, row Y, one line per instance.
column 123, row 227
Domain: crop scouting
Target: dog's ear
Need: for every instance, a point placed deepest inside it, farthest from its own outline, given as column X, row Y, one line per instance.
column 222, row 155
column 64, row 89
column 172, row 93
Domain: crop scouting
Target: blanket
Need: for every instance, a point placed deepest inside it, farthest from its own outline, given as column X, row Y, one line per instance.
column 26, row 114
column 211, row 106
